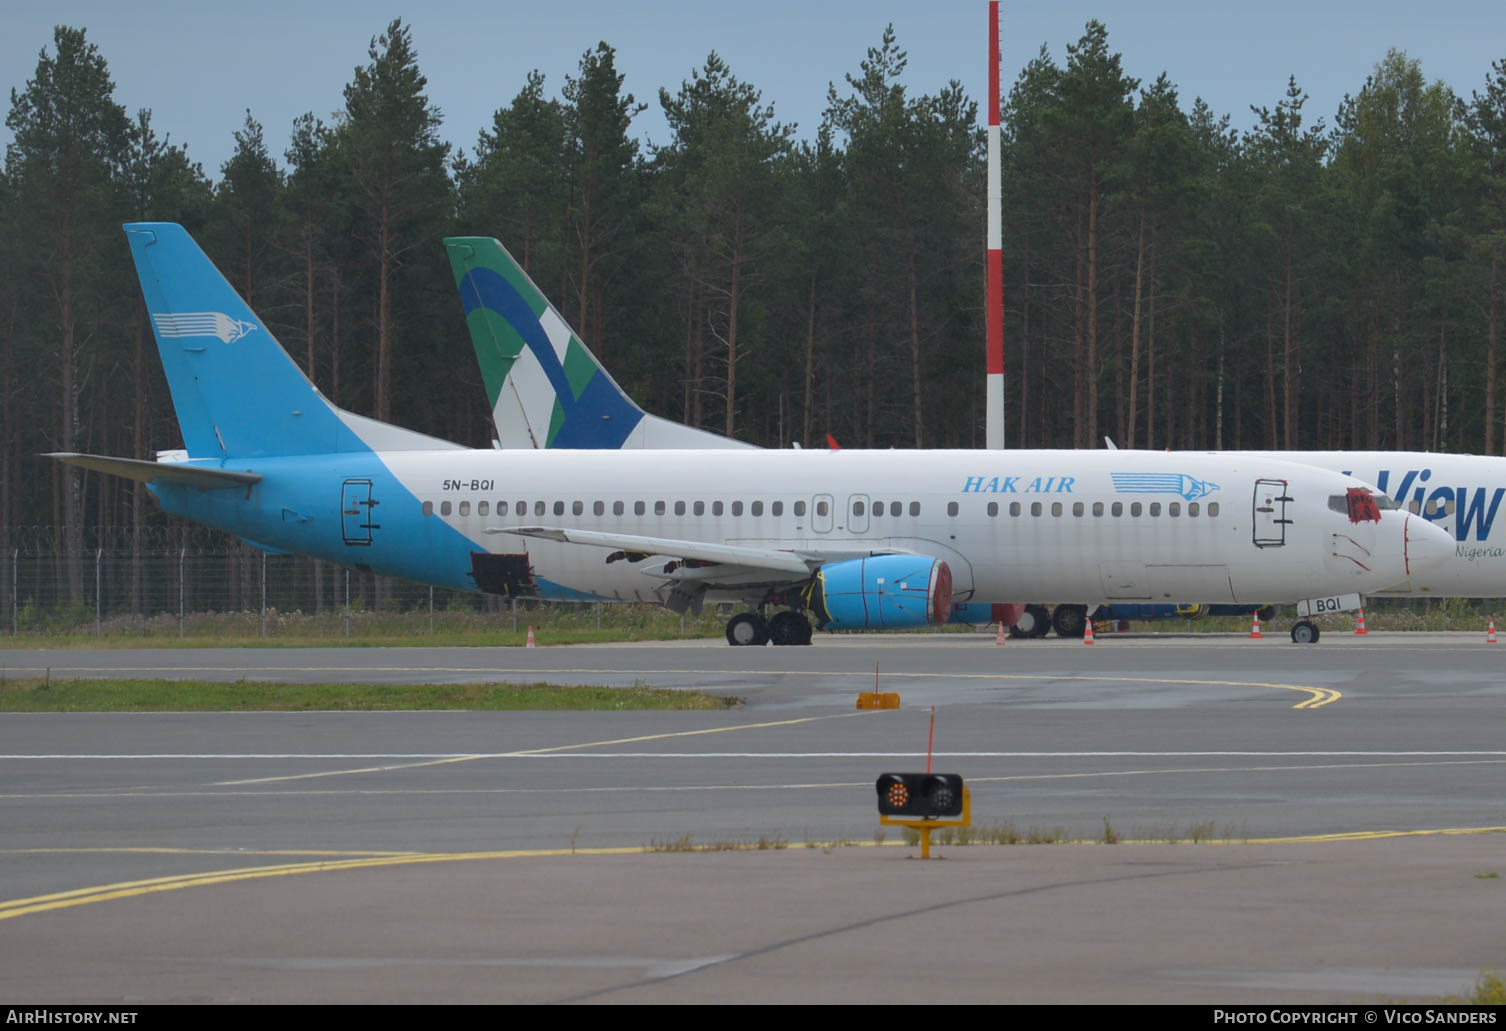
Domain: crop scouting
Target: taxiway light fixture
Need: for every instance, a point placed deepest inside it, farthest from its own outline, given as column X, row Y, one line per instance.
column 920, row 795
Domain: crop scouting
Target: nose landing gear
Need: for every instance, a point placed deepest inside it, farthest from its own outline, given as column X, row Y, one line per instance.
column 1304, row 632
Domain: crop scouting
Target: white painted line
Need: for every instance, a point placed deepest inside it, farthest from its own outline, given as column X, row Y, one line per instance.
column 534, row 754
column 556, row 790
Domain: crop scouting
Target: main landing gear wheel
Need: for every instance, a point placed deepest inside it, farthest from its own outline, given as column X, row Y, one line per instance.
column 1070, row 620
column 1304, row 632
column 789, row 628
column 747, row 628
column 1036, row 622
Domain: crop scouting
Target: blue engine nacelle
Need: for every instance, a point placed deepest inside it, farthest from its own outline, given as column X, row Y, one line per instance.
column 882, row 591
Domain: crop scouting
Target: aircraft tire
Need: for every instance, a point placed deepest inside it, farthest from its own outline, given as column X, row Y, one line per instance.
column 747, row 628
column 789, row 628
column 1035, row 622
column 1042, row 625
column 1304, row 632
column 1070, row 620
column 1026, row 626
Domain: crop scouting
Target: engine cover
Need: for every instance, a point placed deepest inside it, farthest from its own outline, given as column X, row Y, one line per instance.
column 882, row 591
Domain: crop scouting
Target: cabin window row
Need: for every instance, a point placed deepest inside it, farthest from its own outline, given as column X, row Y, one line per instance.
column 679, row 508
column 1134, row 509
column 876, row 509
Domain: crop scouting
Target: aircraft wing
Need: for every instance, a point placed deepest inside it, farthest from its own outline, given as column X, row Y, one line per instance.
column 202, row 477
column 696, row 556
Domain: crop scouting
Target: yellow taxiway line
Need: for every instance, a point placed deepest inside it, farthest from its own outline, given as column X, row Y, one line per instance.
column 365, row 861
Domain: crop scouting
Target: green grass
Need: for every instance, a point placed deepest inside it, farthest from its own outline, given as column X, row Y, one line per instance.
column 991, row 834
column 555, row 624
column 1005, row 832
column 43, row 695
column 1463, row 615
column 685, row 843
column 459, row 627
column 1489, row 990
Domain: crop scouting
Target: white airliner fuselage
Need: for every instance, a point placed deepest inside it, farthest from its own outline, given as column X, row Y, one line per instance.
column 719, row 524
column 1461, row 494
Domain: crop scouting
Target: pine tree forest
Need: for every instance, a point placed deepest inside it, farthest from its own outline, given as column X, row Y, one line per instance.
column 1322, row 280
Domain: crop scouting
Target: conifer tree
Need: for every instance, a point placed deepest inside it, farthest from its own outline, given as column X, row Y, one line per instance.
column 70, row 141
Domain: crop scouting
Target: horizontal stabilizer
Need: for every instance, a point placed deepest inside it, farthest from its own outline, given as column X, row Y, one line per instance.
column 199, row 476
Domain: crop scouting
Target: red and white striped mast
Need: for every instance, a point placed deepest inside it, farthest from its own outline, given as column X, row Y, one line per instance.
column 994, row 411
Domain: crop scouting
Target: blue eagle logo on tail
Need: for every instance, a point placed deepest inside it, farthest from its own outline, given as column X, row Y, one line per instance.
column 202, row 324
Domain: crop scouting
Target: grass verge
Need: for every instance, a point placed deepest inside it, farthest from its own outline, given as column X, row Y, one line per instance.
column 42, row 695
column 686, row 843
column 459, row 627
column 1489, row 990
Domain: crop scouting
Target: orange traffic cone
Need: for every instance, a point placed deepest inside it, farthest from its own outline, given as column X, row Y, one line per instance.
column 1087, row 632
column 1359, row 627
column 1490, row 633
column 530, row 643
column 1255, row 627
column 999, row 637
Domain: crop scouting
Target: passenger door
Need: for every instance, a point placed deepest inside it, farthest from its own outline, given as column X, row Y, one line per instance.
column 1270, row 513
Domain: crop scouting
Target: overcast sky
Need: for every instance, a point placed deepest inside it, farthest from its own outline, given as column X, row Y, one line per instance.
column 199, row 66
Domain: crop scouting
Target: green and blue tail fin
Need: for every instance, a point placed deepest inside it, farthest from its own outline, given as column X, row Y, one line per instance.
column 546, row 388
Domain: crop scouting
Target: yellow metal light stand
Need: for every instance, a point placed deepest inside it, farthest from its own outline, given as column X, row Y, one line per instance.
column 925, row 827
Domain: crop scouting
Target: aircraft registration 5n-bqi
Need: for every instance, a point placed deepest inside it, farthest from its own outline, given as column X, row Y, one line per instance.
column 841, row 539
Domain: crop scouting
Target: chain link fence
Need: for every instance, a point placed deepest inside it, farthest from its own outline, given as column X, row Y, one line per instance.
column 183, row 580
column 189, row 579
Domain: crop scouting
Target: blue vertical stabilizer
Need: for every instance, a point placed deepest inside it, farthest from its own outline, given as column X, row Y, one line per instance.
column 237, row 393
